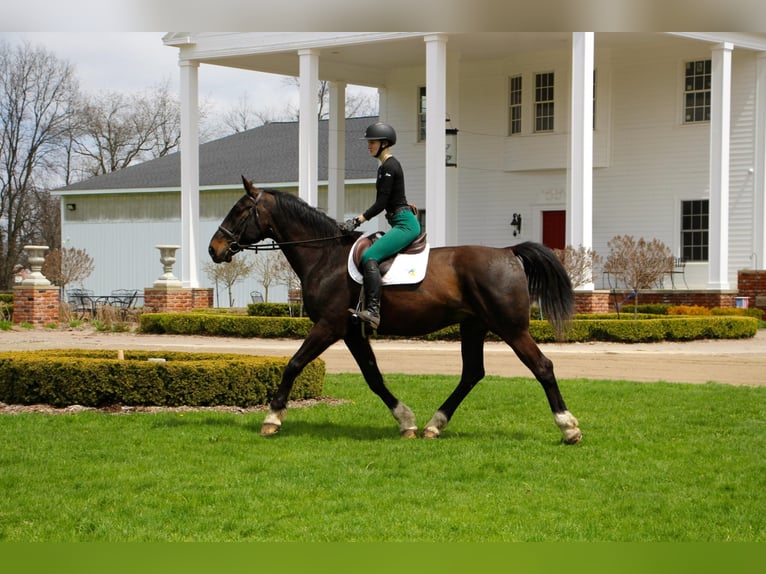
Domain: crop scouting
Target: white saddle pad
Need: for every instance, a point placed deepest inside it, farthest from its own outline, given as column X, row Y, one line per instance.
column 405, row 269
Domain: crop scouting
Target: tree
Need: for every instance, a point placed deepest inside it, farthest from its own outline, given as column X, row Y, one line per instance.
column 638, row 264
column 268, row 269
column 357, row 104
column 230, row 273
column 244, row 116
column 36, row 95
column 579, row 263
column 67, row 266
column 117, row 130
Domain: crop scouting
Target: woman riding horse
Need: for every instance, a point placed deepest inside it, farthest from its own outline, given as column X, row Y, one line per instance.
column 481, row 288
column 404, row 225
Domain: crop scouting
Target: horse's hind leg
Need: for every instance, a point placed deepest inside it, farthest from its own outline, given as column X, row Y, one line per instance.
column 362, row 351
column 542, row 367
column 472, row 333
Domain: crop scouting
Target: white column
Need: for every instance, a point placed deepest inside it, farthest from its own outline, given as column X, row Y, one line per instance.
column 436, row 141
column 720, row 120
column 336, row 146
column 452, row 173
column 308, row 126
column 759, row 167
column 579, row 230
column 189, row 150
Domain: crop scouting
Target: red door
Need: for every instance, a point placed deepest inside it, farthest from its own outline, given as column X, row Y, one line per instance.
column 554, row 229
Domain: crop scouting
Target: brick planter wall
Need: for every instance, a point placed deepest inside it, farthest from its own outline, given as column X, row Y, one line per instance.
column 678, row 297
column 752, row 284
column 38, row 305
column 202, row 298
column 604, row 301
column 176, row 300
column 589, row 302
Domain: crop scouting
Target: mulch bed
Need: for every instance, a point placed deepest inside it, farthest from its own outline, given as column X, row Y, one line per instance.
column 6, row 409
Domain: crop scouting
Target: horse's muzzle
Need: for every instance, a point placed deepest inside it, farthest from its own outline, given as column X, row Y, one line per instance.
column 220, row 258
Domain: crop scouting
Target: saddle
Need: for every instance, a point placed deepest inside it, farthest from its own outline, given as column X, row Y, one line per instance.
column 418, row 245
column 406, row 267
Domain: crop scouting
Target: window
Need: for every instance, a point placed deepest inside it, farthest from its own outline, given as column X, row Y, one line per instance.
column 422, row 114
column 544, row 102
column 514, row 103
column 697, row 77
column 694, row 229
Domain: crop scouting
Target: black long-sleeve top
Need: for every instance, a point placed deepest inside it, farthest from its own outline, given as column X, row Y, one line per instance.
column 390, row 189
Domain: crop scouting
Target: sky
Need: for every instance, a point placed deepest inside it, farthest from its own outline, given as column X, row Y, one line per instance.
column 137, row 61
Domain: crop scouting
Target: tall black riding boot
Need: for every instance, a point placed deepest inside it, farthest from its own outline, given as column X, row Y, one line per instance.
column 372, row 288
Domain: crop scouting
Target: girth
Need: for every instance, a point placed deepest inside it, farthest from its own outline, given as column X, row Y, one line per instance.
column 418, row 245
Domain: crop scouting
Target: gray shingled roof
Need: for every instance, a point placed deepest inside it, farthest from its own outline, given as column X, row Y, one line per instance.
column 266, row 154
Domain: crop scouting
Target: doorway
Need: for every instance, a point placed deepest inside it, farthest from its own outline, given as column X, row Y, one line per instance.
column 554, row 229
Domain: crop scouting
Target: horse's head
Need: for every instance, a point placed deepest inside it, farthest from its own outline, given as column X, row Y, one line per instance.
column 243, row 225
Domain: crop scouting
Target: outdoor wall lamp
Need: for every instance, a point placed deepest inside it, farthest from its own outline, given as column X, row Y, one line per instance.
column 71, row 206
column 451, row 146
column 516, row 224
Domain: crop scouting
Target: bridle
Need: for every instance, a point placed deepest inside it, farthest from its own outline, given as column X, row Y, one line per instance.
column 234, row 236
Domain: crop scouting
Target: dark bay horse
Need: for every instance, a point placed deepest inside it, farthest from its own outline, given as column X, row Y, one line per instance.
column 481, row 288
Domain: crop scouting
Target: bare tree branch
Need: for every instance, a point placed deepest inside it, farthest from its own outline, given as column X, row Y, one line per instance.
column 36, row 92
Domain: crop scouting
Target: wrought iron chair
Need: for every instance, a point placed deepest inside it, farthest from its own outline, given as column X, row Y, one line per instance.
column 82, row 302
column 679, row 268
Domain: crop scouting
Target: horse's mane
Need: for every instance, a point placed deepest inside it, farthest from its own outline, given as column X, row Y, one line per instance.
column 295, row 208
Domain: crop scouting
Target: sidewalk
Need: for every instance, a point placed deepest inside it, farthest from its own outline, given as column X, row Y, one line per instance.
column 736, row 362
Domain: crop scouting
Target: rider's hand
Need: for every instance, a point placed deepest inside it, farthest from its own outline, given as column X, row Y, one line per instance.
column 350, row 224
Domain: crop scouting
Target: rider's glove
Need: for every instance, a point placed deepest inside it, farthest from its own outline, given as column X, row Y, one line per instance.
column 350, row 224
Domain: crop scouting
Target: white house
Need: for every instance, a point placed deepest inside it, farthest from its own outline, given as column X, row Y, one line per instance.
column 579, row 136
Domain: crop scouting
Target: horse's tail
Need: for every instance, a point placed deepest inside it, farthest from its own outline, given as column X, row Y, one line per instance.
column 548, row 283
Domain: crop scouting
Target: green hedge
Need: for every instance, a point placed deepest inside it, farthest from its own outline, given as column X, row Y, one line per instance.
column 225, row 325
column 98, row 378
column 274, row 309
column 583, row 328
column 651, row 330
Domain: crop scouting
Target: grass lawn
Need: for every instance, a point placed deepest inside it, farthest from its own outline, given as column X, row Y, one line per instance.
column 658, row 462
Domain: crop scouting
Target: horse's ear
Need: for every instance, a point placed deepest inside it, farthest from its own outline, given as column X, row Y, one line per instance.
column 251, row 190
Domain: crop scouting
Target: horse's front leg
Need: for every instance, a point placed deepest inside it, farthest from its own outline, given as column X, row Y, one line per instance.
column 362, row 351
column 318, row 340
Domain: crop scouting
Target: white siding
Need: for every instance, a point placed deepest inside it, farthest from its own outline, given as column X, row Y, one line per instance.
column 646, row 161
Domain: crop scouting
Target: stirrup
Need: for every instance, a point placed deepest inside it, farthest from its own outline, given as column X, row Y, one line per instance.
column 367, row 317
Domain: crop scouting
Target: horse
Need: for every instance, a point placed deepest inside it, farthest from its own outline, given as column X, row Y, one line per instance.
column 480, row 288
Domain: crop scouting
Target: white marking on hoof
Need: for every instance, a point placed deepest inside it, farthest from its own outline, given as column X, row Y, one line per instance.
column 436, row 425
column 405, row 417
column 569, row 427
column 273, row 422
column 268, row 429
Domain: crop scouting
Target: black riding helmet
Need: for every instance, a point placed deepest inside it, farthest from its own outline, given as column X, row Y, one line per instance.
column 380, row 132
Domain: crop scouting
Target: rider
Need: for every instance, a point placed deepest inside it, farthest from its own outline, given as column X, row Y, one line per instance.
column 400, row 215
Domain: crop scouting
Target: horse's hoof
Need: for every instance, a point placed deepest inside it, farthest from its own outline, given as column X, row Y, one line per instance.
column 573, row 437
column 430, row 433
column 269, row 429
column 409, row 433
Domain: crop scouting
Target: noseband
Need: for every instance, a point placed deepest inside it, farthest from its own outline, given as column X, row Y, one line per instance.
column 234, row 236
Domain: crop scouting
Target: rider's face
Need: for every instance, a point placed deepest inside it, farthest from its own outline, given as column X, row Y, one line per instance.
column 373, row 146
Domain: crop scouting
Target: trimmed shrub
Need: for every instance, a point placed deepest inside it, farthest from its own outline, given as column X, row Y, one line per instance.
column 688, row 310
column 98, row 378
column 610, row 327
column 273, row 309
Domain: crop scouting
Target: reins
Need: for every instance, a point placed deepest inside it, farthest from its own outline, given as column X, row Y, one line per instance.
column 274, row 246
column 236, row 247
